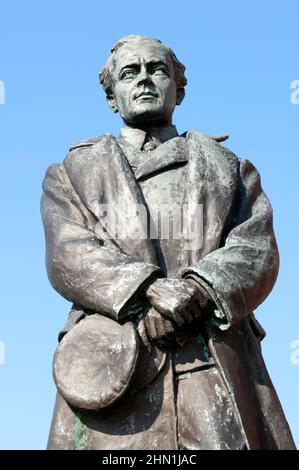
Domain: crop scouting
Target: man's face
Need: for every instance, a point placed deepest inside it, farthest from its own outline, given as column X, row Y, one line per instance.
column 145, row 91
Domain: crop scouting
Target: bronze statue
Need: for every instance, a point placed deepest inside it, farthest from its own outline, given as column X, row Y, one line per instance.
column 161, row 349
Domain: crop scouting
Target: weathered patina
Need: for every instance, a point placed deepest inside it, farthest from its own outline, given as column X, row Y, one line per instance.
column 161, row 349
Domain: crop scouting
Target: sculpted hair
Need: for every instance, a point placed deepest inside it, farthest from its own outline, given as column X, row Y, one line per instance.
column 105, row 76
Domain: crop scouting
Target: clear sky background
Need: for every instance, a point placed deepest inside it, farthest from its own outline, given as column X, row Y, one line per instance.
column 241, row 58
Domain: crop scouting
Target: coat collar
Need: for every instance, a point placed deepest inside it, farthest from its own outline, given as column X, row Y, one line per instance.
column 136, row 137
column 169, row 154
column 147, row 164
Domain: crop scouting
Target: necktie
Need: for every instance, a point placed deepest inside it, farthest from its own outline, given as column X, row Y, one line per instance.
column 149, row 144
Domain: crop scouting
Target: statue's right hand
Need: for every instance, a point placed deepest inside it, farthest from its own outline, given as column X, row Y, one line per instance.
column 154, row 327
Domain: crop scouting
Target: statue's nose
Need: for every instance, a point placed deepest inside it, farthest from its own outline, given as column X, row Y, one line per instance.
column 144, row 77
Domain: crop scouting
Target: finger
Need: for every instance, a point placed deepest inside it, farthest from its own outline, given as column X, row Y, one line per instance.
column 164, row 328
column 187, row 315
column 160, row 328
column 141, row 328
column 166, row 314
column 178, row 318
column 168, row 326
column 151, row 327
column 157, row 305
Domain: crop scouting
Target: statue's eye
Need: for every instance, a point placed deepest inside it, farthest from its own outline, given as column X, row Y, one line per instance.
column 130, row 73
column 160, row 70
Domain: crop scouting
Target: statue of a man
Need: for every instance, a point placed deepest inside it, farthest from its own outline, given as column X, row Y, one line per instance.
column 166, row 312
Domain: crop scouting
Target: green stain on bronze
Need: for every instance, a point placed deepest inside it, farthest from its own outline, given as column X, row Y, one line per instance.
column 80, row 439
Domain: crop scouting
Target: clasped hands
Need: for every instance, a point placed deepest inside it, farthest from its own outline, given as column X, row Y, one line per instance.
column 174, row 303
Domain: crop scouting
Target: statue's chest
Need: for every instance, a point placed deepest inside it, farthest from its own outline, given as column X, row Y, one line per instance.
column 165, row 188
column 164, row 195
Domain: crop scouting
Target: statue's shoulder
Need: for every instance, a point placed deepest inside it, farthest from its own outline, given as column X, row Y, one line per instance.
column 211, row 145
column 83, row 144
column 200, row 135
column 82, row 152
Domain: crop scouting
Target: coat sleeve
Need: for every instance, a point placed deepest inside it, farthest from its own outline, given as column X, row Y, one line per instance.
column 79, row 265
column 242, row 272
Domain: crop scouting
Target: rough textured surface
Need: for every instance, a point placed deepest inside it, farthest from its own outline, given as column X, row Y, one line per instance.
column 194, row 378
column 70, row 219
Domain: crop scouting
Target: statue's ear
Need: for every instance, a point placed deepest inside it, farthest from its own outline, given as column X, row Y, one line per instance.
column 180, row 94
column 111, row 102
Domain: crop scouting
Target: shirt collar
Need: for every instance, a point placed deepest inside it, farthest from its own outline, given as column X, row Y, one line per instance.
column 136, row 137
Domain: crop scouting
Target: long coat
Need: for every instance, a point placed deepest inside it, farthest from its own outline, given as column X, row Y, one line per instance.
column 236, row 262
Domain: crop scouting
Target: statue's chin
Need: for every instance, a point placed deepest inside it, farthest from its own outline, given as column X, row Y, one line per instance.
column 146, row 118
column 145, row 112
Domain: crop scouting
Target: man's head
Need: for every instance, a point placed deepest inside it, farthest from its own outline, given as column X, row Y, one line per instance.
column 143, row 81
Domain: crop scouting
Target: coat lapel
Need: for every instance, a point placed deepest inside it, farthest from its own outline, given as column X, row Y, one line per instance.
column 210, row 187
column 167, row 155
column 102, row 177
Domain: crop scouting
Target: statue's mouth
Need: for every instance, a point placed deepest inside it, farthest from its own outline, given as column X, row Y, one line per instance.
column 146, row 94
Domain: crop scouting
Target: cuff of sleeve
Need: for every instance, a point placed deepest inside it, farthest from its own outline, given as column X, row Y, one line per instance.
column 211, row 303
column 137, row 303
column 203, row 296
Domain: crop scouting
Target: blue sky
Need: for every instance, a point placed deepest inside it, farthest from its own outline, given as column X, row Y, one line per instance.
column 241, row 60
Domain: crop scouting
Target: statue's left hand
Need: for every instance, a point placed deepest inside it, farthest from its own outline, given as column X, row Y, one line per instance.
column 178, row 300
